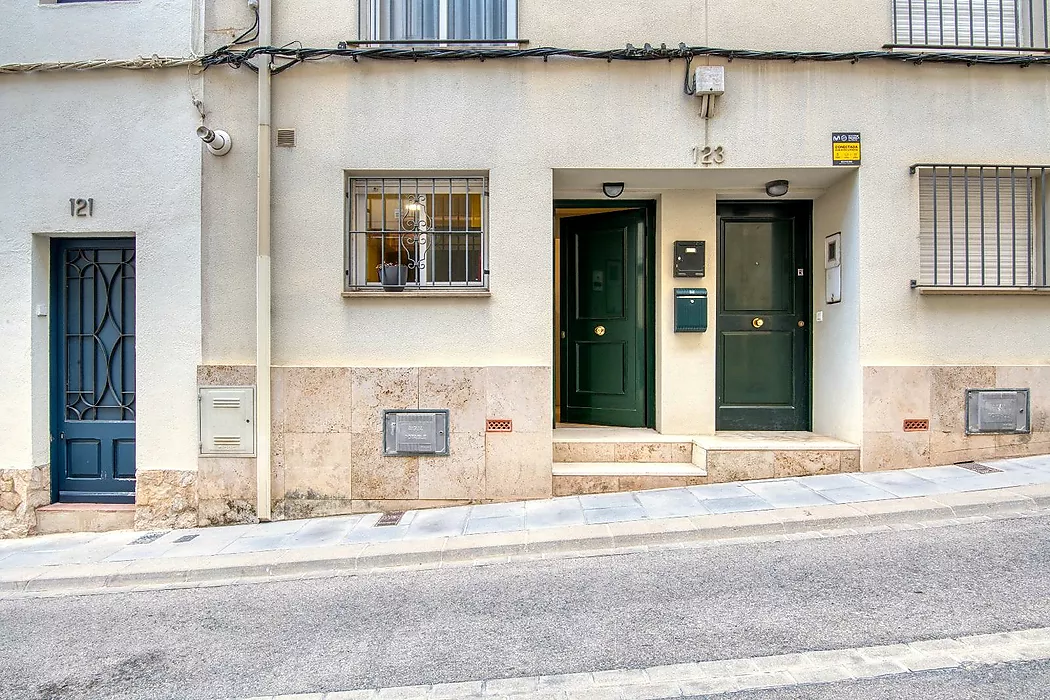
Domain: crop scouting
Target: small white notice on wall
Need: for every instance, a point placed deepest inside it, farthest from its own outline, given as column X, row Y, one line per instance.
column 833, row 268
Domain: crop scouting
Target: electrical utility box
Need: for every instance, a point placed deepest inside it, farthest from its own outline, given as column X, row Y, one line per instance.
column 690, row 310
column 710, row 80
column 689, row 259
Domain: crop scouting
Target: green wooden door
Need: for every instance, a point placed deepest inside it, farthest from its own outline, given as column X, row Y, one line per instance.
column 763, row 345
column 603, row 319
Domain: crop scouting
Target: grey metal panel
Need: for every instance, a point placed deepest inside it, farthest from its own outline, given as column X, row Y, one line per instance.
column 998, row 411
column 415, row 432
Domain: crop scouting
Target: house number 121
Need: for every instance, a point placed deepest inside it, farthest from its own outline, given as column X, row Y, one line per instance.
column 81, row 207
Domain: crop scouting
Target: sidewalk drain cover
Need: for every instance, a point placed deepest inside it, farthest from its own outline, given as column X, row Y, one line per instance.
column 184, row 538
column 979, row 468
column 392, row 518
column 149, row 537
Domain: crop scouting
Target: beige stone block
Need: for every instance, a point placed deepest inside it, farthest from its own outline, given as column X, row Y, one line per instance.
column 317, row 466
column 582, row 485
column 225, row 375
column 893, row 394
column 952, row 447
column 376, row 477
column 1023, row 445
column 459, row 475
column 518, row 465
column 948, row 394
column 647, row 483
column 522, row 394
column 584, row 452
column 387, row 505
column 225, row 511
column 315, row 400
column 849, row 461
column 739, row 465
column 277, row 466
column 226, row 478
column 379, row 388
column 297, row 508
column 459, row 389
column 644, row 452
column 806, row 463
column 1037, row 379
column 165, row 499
column 278, row 384
column 881, row 451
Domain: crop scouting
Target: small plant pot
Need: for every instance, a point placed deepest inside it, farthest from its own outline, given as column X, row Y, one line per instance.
column 393, row 277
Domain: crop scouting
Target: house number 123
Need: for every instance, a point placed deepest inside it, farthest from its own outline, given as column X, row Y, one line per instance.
column 81, row 207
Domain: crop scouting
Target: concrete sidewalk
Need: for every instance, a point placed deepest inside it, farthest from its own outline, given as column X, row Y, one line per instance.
column 533, row 529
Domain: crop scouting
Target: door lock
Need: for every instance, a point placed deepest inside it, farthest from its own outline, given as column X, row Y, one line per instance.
column 599, row 330
column 757, row 322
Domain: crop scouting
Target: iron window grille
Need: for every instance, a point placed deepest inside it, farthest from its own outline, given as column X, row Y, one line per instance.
column 433, row 232
column 1017, row 25
column 982, row 226
column 437, row 21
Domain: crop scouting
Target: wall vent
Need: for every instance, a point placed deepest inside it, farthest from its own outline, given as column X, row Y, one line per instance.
column 916, row 425
column 286, row 138
column 499, row 425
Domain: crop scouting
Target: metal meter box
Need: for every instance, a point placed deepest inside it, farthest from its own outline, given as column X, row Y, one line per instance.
column 1003, row 411
column 690, row 310
column 415, row 432
column 688, row 258
column 227, row 421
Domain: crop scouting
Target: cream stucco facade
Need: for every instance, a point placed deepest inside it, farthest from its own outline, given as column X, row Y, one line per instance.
column 542, row 131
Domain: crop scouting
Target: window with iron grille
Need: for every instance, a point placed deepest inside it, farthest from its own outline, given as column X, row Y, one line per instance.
column 438, row 20
column 420, row 233
column 982, row 226
column 971, row 24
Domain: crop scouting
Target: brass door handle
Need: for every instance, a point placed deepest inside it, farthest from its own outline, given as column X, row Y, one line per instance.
column 757, row 322
column 599, row 330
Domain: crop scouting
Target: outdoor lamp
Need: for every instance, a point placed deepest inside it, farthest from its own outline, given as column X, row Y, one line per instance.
column 777, row 188
column 612, row 190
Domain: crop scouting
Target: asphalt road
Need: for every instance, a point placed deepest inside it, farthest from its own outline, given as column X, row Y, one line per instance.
column 536, row 618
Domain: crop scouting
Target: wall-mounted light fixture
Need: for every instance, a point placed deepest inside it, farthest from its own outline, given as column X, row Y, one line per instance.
column 777, row 188
column 612, row 190
column 218, row 141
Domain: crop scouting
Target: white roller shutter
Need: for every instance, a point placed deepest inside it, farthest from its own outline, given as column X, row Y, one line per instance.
column 991, row 23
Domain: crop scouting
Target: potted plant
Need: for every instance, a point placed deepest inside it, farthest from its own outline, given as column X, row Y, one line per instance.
column 393, row 276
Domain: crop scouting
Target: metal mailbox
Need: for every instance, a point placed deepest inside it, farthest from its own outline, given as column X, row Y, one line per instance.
column 690, row 310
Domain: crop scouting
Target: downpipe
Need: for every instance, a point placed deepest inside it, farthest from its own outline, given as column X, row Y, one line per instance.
column 263, row 340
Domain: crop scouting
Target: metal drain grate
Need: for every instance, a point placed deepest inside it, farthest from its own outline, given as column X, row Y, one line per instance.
column 149, row 537
column 979, row 468
column 185, row 538
column 391, row 518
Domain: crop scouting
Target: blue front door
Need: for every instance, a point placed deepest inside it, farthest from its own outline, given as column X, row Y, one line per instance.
column 93, row 370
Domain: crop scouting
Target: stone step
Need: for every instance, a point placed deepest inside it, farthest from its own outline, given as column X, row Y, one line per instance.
column 723, row 465
column 581, row 478
column 84, row 517
column 605, row 451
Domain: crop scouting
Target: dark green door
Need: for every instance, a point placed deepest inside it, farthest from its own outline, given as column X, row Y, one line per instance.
column 603, row 319
column 763, row 330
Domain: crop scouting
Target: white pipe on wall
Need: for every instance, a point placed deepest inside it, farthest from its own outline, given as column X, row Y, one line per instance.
column 262, row 276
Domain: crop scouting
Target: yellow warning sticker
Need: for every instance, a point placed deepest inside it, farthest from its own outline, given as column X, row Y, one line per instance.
column 845, row 149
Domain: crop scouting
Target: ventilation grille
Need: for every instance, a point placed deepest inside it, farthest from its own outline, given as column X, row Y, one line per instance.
column 226, row 440
column 226, row 402
column 499, row 425
column 916, row 425
column 286, row 137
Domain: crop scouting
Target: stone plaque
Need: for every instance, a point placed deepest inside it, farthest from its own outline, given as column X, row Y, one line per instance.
column 997, row 411
column 415, row 432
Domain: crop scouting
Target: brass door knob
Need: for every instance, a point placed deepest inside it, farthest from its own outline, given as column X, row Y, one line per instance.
column 599, row 330
column 757, row 322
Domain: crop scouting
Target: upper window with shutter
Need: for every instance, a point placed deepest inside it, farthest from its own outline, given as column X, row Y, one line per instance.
column 971, row 24
column 438, row 21
column 982, row 226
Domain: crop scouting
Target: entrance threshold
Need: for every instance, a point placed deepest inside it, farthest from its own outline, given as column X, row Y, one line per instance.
column 84, row 517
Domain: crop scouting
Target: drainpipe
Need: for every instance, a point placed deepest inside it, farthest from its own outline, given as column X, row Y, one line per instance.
column 262, row 276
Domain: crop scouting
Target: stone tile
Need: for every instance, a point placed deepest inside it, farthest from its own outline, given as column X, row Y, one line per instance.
column 584, row 452
column 277, row 466
column 903, row 484
column 388, row 505
column 459, row 389
column 1036, row 378
column 379, row 388
column 554, row 513
column 719, row 491
column 948, row 394
column 226, row 477
column 611, row 500
column 614, row 515
column 643, row 452
column 314, row 400
column 739, row 465
column 225, row 375
column 882, row 451
column 646, row 483
column 165, row 499
column 522, row 394
column 580, row 485
column 317, row 465
column 806, row 463
column 506, row 523
column 324, row 531
column 1023, row 445
column 671, row 503
column 737, row 505
column 825, row 482
column 460, row 475
column 849, row 461
column 787, row 494
column 518, row 465
column 376, row 477
column 856, row 495
column 498, row 510
column 949, row 448
column 292, row 508
column 443, row 522
column 893, row 394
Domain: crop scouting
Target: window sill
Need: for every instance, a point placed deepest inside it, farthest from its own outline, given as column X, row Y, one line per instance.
column 417, row 293
column 1000, row 291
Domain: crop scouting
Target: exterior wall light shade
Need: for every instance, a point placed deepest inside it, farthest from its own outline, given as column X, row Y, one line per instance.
column 612, row 190
column 777, row 188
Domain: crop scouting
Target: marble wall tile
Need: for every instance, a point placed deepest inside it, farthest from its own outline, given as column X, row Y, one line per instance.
column 892, row 394
column 316, row 400
column 806, row 463
column 900, row 450
column 1035, row 443
column 379, row 388
column 376, row 477
column 738, row 465
column 226, row 477
column 849, row 461
column 646, row 483
column 225, row 375
column 582, row 485
column 317, row 466
column 459, row 389
column 662, row 452
column 584, row 452
column 522, row 394
column 517, row 465
column 948, row 387
column 297, row 508
column 389, row 505
column 459, row 475
column 1037, row 379
column 277, row 466
column 952, row 447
